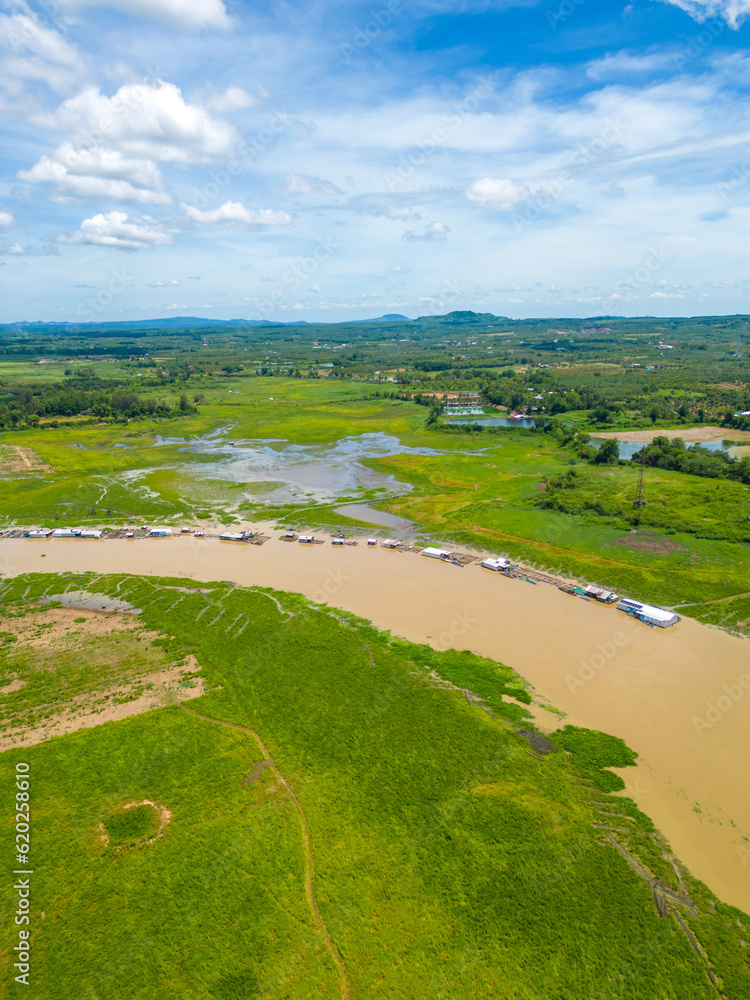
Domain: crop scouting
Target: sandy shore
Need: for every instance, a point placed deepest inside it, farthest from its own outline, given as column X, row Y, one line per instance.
column 676, row 696
column 689, row 434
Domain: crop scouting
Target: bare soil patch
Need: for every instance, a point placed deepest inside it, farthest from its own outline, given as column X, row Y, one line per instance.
column 15, row 460
column 56, row 628
column 689, row 434
column 167, row 687
column 646, row 542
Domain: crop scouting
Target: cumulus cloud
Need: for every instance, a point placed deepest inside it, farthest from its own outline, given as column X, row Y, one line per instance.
column 234, row 213
column 113, row 143
column 496, row 193
column 163, row 284
column 6, row 219
column 296, row 184
column 734, row 12
column 98, row 173
column 117, row 229
column 187, row 14
column 434, row 232
column 153, row 122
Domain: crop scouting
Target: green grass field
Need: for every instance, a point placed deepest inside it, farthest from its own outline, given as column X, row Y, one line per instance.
column 449, row 862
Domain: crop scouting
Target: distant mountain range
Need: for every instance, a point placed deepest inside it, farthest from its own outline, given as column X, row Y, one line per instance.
column 175, row 323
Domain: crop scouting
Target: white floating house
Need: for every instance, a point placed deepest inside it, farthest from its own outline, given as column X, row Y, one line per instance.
column 372, row 541
column 605, row 596
column 160, row 533
column 91, row 533
column 40, row 533
column 307, row 539
column 338, row 541
column 648, row 614
column 498, row 565
column 390, row 543
column 67, row 532
column 436, row 553
column 232, row 536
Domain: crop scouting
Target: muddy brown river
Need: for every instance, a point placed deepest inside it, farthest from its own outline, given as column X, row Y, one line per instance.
column 679, row 697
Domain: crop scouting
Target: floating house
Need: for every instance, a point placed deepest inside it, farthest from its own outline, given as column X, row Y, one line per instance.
column 233, row 536
column 307, row 539
column 604, row 596
column 160, row 533
column 372, row 541
column 436, row 553
column 390, row 543
column 338, row 541
column 91, row 533
column 499, row 565
column 40, row 533
column 289, row 536
column 186, row 531
column 645, row 613
column 66, row 532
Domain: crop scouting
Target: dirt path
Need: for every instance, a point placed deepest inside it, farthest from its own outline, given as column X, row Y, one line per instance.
column 309, row 860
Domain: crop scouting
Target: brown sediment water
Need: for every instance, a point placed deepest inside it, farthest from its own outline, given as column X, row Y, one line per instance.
column 679, row 697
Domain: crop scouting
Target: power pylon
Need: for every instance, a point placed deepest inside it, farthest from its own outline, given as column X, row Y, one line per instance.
column 640, row 493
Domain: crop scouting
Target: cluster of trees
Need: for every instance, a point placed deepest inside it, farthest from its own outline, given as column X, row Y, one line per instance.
column 664, row 453
column 21, row 405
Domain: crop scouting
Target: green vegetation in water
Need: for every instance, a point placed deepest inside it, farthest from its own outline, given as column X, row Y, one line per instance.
column 593, row 752
column 449, row 862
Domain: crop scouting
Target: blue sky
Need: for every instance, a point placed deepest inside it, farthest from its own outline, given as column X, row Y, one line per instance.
column 333, row 161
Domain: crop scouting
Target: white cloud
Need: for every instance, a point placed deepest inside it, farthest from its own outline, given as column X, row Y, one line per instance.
column 163, row 284
column 496, row 193
column 234, row 213
column 98, row 173
column 153, row 122
column 296, row 184
column 34, row 52
column 117, row 229
column 186, row 14
column 233, row 99
column 434, row 232
column 404, row 214
column 733, row 12
column 6, row 219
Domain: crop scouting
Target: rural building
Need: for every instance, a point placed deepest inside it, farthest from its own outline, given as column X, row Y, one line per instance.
column 498, row 565
column 91, row 533
column 67, row 532
column 160, row 533
column 645, row 613
column 436, row 553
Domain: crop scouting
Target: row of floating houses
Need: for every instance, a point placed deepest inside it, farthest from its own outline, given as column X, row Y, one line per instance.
column 646, row 613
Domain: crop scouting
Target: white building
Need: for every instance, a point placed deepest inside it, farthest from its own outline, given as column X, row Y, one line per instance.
column 497, row 565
